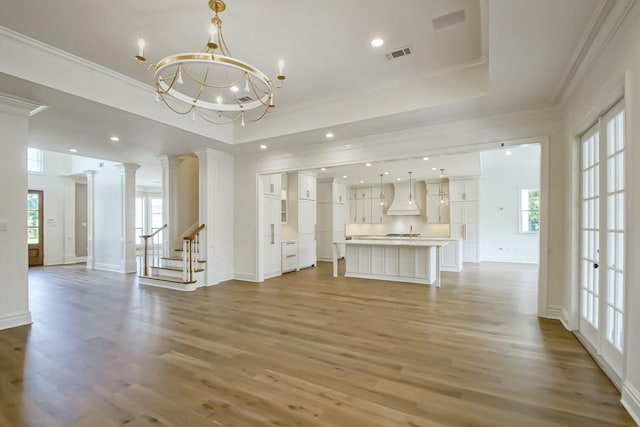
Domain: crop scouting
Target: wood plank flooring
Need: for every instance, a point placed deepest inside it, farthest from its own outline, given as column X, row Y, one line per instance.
column 301, row 350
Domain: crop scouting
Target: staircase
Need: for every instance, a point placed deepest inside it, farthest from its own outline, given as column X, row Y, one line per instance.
column 185, row 271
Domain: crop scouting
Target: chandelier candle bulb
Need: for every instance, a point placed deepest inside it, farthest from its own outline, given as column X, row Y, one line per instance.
column 141, row 45
column 179, row 80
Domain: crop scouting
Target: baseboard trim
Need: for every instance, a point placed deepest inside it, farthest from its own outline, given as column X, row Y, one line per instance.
column 13, row 320
column 75, row 260
column 54, row 261
column 631, row 401
column 245, row 277
column 602, row 364
column 511, row 260
column 108, row 267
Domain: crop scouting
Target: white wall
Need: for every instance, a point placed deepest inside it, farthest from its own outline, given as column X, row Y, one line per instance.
column 14, row 304
column 503, row 178
column 108, row 218
column 51, row 182
column 616, row 72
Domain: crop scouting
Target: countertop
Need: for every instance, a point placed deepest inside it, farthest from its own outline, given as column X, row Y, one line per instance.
column 403, row 241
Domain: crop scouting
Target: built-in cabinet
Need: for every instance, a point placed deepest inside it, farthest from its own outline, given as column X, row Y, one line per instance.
column 465, row 216
column 438, row 202
column 272, row 225
column 332, row 217
column 301, row 216
column 289, row 256
column 365, row 206
column 452, row 256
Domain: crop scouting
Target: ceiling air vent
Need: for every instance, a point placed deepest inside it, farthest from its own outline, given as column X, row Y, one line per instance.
column 399, row 53
column 245, row 99
column 449, row 19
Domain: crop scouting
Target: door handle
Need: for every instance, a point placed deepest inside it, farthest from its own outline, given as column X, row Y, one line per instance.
column 271, row 188
column 273, row 234
column 595, row 265
column 464, row 231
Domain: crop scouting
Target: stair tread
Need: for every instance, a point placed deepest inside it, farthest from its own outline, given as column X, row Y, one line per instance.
column 179, row 259
column 175, row 269
column 168, row 279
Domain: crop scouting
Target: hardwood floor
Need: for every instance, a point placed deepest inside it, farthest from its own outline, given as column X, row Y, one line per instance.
column 301, row 350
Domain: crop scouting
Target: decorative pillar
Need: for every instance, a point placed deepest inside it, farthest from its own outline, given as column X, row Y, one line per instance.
column 69, row 226
column 170, row 206
column 128, row 238
column 14, row 128
column 91, row 219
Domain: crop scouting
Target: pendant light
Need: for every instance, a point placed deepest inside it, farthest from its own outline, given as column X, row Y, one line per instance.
column 382, row 198
column 410, row 196
column 444, row 200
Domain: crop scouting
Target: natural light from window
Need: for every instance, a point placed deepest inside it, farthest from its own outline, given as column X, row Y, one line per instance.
column 35, row 163
column 529, row 211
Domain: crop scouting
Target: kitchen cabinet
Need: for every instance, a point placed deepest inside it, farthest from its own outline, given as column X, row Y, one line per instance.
column 331, row 218
column 364, row 206
column 272, row 239
column 272, row 184
column 452, row 256
column 306, row 186
column 465, row 222
column 289, row 256
column 437, row 203
column 464, row 190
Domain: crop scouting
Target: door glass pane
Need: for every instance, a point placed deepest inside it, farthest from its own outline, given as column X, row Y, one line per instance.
column 33, row 236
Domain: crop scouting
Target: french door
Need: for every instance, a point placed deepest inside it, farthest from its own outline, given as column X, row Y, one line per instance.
column 602, row 249
column 35, row 235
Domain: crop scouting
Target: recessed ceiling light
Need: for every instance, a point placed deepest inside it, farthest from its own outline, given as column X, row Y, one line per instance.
column 329, row 135
column 386, row 173
column 397, row 179
column 234, row 88
column 263, row 147
column 348, row 146
column 368, row 164
column 377, row 42
column 508, row 153
column 114, row 139
column 73, row 150
column 323, row 169
column 425, row 158
column 344, row 176
column 361, row 182
column 434, row 169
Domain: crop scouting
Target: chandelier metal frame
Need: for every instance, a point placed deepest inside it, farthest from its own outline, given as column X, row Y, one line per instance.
column 214, row 101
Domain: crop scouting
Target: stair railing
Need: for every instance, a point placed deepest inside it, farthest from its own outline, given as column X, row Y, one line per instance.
column 153, row 249
column 191, row 252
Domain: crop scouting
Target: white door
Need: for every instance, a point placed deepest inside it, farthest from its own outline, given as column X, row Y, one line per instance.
column 602, row 286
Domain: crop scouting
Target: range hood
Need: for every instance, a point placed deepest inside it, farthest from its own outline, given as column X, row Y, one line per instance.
column 401, row 205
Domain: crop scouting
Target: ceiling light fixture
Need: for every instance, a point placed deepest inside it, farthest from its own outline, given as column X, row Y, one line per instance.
column 329, row 135
column 368, row 164
column 441, row 173
column 397, row 179
column 361, row 182
column 263, row 147
column 434, row 169
column 377, row 42
column 73, row 150
column 114, row 139
column 425, row 158
column 344, row 176
column 444, row 199
column 382, row 198
column 323, row 169
column 386, row 173
column 208, row 83
column 508, row 152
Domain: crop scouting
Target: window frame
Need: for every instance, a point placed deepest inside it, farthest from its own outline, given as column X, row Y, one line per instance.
column 521, row 211
column 39, row 160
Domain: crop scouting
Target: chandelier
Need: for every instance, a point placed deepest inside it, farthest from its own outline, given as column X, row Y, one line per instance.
column 212, row 84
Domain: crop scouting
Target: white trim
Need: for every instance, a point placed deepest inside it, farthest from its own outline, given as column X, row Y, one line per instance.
column 54, row 261
column 512, row 260
column 107, row 267
column 13, row 105
column 13, row 320
column 602, row 364
column 245, row 277
column 631, row 401
column 159, row 283
column 128, row 267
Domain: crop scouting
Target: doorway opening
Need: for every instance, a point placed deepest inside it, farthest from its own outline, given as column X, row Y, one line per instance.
column 35, row 229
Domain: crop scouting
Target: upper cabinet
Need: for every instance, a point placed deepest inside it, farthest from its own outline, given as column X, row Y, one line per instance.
column 364, row 206
column 464, row 190
column 438, row 203
column 306, row 187
column 338, row 193
column 272, row 184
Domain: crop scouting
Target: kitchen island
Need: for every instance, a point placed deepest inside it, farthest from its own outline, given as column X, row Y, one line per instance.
column 413, row 260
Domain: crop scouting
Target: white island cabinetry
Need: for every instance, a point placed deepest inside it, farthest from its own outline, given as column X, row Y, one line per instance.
column 413, row 261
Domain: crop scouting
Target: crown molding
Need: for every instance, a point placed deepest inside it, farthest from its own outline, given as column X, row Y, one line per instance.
column 603, row 26
column 10, row 103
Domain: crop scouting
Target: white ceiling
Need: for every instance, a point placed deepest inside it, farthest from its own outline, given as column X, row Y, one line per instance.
column 526, row 47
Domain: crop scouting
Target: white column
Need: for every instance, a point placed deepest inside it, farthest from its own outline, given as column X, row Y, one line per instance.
column 91, row 219
column 128, row 237
column 170, row 206
column 14, row 296
column 69, row 226
column 216, row 194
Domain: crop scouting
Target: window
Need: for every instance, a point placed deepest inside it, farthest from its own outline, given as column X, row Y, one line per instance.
column 529, row 211
column 148, row 214
column 34, row 160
